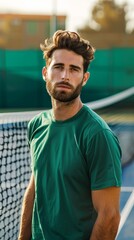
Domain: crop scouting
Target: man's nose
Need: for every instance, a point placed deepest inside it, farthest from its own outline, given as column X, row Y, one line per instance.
column 65, row 74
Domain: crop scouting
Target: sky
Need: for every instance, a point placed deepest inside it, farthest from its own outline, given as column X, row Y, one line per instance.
column 78, row 12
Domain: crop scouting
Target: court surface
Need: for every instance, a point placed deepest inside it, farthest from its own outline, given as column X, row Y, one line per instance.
column 126, row 229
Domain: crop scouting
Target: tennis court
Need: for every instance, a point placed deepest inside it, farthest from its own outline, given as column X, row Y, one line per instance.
column 126, row 229
column 123, row 125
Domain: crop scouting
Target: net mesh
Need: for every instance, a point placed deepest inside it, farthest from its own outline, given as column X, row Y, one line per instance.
column 14, row 175
column 15, row 168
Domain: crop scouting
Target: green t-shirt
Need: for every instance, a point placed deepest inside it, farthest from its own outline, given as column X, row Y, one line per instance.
column 69, row 159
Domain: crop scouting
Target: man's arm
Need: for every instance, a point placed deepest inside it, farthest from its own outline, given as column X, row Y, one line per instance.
column 106, row 203
column 27, row 209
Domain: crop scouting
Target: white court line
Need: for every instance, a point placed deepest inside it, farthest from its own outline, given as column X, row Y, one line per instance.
column 126, row 210
column 127, row 189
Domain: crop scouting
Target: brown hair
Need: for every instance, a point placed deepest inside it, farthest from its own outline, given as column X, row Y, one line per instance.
column 70, row 41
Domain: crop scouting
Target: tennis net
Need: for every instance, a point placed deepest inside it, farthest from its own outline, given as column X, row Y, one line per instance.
column 15, row 168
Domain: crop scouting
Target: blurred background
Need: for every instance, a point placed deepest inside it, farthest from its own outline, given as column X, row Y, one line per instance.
column 24, row 24
column 107, row 24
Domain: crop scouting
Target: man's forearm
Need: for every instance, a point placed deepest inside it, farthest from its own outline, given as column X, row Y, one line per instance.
column 25, row 225
column 105, row 229
column 26, row 214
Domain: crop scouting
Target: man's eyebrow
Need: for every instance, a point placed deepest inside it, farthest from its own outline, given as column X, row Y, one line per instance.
column 58, row 64
column 75, row 66
column 71, row 65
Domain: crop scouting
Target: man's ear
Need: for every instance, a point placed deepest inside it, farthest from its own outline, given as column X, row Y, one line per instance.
column 85, row 78
column 44, row 73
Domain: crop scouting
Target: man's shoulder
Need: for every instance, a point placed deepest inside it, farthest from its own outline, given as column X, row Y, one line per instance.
column 39, row 120
column 94, row 120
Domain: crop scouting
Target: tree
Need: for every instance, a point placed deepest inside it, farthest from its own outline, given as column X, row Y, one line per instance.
column 109, row 16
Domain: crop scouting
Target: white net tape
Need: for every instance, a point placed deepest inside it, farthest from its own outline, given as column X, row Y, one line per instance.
column 26, row 116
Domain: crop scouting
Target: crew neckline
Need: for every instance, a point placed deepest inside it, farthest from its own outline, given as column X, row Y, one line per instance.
column 58, row 122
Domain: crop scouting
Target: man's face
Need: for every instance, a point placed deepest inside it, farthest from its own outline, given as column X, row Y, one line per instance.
column 65, row 76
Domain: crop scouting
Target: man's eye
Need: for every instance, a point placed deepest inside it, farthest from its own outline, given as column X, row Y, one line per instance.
column 58, row 67
column 74, row 69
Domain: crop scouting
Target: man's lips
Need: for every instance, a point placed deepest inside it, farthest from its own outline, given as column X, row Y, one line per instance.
column 66, row 86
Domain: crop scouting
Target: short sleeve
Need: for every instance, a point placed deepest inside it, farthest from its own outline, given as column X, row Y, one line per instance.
column 103, row 156
column 31, row 128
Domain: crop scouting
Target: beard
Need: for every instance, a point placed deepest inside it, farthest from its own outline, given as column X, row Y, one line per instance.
column 63, row 95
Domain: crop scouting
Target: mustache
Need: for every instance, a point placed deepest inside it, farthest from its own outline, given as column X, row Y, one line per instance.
column 64, row 84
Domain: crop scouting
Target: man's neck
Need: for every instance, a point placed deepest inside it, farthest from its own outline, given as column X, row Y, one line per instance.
column 65, row 110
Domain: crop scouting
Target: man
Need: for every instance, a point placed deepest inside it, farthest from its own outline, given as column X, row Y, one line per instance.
column 74, row 190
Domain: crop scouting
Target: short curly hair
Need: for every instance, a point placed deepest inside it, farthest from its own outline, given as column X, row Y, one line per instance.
column 63, row 39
